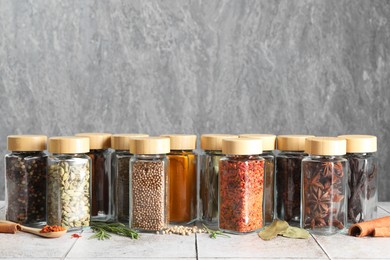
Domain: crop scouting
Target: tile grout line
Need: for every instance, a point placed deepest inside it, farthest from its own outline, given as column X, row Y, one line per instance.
column 196, row 246
column 385, row 210
column 71, row 247
column 323, row 249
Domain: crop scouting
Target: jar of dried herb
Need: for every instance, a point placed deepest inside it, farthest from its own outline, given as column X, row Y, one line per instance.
column 149, row 183
column 121, row 156
column 102, row 185
column 241, row 179
column 211, row 145
column 269, row 174
column 182, row 179
column 25, row 176
column 288, row 177
column 362, row 178
column 68, row 183
column 324, row 185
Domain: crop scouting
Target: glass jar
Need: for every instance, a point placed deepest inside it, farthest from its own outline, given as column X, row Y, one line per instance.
column 324, row 185
column 241, row 180
column 25, row 176
column 120, row 168
column 149, row 183
column 211, row 144
column 269, row 177
column 288, row 177
column 102, row 181
column 362, row 178
column 182, row 179
column 68, row 182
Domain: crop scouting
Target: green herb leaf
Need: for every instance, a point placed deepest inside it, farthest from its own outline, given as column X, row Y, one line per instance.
column 214, row 233
column 102, row 230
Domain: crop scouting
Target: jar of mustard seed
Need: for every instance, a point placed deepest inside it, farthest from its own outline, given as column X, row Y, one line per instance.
column 25, row 175
column 102, row 181
column 288, row 177
column 149, row 169
column 241, row 179
column 211, row 145
column 182, row 179
column 324, row 185
column 362, row 178
column 269, row 144
column 68, row 183
column 120, row 162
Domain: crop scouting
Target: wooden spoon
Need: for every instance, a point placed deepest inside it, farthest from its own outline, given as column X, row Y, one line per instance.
column 36, row 231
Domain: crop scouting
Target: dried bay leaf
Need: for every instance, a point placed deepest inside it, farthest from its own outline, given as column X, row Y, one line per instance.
column 294, row 232
column 274, row 229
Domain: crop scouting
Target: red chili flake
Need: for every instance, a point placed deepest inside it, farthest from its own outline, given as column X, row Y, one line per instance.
column 75, row 236
column 241, row 194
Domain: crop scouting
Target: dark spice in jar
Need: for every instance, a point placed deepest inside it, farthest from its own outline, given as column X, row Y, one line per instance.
column 269, row 187
column 26, row 187
column 148, row 195
column 122, row 187
column 288, row 187
column 241, row 195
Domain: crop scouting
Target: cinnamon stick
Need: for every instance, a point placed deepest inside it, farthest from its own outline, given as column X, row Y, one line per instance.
column 367, row 228
column 382, row 232
column 9, row 228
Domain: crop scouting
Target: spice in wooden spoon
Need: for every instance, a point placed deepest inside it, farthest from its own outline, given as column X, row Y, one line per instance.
column 47, row 231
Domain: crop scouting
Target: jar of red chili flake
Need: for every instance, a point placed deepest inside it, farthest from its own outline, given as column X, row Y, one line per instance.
column 241, row 179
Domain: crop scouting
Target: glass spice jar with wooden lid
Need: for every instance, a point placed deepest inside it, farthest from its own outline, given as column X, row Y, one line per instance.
column 288, row 177
column 324, row 185
column 269, row 145
column 102, row 185
column 363, row 177
column 241, row 178
column 120, row 161
column 182, row 179
column 211, row 145
column 149, row 183
column 25, row 179
column 68, row 183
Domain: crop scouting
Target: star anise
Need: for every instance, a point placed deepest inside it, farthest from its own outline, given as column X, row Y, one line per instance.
column 319, row 201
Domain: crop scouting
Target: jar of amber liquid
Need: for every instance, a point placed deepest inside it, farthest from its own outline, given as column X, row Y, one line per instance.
column 288, row 177
column 25, row 176
column 102, row 189
column 241, row 179
column 211, row 145
column 363, row 177
column 269, row 173
column 182, row 179
column 324, row 185
column 120, row 160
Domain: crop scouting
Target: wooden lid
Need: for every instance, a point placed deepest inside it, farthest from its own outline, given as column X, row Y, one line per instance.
column 26, row 143
column 269, row 141
column 150, row 145
column 327, row 146
column 242, row 146
column 97, row 140
column 214, row 141
column 292, row 142
column 181, row 141
column 360, row 143
column 122, row 141
column 68, row 144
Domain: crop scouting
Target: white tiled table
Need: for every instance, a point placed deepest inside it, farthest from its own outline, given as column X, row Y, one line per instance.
column 27, row 246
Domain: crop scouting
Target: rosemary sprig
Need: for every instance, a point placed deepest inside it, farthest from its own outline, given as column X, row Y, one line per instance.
column 214, row 233
column 102, row 230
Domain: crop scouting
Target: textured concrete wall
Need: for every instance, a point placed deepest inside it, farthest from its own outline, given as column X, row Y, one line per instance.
column 320, row 67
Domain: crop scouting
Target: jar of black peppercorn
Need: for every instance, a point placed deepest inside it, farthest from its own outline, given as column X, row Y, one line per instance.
column 288, row 177
column 269, row 173
column 324, row 185
column 120, row 160
column 25, row 174
column 241, row 179
column 362, row 177
column 149, row 169
column 211, row 145
column 102, row 189
column 68, row 182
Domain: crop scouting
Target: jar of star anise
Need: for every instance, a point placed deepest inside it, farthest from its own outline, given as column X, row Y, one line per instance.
column 324, row 185
column 241, row 177
column 363, row 177
column 288, row 177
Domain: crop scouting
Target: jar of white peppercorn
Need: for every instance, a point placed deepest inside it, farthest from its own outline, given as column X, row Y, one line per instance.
column 68, row 182
column 25, row 175
column 120, row 168
column 149, row 183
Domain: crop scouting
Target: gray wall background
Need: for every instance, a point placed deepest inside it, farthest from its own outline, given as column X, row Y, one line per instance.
column 319, row 67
